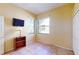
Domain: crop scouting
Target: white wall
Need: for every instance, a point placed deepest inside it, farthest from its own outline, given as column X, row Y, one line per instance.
column 76, row 29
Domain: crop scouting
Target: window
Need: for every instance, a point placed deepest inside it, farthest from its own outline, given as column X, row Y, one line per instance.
column 31, row 26
column 44, row 25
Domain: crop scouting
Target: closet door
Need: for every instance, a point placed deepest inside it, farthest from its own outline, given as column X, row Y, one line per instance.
column 1, row 35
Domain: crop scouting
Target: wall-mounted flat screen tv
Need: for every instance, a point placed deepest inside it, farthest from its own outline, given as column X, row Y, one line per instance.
column 18, row 22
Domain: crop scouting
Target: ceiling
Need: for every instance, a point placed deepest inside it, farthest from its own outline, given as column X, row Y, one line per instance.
column 38, row 8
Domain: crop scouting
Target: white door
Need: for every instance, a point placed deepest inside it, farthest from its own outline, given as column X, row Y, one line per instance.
column 1, row 35
column 76, row 33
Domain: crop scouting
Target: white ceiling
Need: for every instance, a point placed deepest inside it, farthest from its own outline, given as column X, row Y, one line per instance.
column 38, row 8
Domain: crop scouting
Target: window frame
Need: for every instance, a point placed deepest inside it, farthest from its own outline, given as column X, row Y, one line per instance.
column 46, row 25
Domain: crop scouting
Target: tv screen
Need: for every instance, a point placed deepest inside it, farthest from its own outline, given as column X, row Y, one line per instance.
column 18, row 22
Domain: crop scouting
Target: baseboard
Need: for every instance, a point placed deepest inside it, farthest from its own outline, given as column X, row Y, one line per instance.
column 64, row 47
column 11, row 50
column 55, row 45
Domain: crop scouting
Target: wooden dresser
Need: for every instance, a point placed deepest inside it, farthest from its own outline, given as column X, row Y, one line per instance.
column 19, row 42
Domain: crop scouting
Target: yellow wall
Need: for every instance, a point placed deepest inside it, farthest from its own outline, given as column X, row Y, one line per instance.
column 9, row 11
column 60, row 27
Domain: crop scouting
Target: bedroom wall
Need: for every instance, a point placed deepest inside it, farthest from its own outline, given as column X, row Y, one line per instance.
column 60, row 27
column 9, row 11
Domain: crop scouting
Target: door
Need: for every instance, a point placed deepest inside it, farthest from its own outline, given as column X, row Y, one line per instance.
column 76, row 33
column 1, row 35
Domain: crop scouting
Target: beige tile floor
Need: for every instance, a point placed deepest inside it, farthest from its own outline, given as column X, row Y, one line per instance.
column 40, row 49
